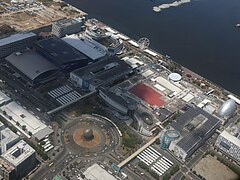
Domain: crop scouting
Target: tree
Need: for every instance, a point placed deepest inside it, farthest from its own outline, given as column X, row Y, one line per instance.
column 4, row 113
column 17, row 123
column 10, row 117
column 24, row 127
column 30, row 133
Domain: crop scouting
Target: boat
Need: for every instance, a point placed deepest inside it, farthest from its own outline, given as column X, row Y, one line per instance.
column 237, row 25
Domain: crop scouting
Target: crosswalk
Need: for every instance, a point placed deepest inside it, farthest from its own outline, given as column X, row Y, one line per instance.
column 157, row 162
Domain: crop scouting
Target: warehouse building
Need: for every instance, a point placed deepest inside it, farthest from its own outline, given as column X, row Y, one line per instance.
column 85, row 47
column 67, row 26
column 229, row 142
column 103, row 72
column 61, row 54
column 32, row 67
column 16, row 42
column 195, row 127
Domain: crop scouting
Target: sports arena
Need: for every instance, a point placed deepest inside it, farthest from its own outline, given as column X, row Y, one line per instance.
column 148, row 94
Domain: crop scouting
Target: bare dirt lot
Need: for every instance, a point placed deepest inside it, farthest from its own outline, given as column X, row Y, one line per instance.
column 211, row 169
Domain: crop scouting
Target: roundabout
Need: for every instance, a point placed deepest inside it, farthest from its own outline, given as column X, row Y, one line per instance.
column 90, row 135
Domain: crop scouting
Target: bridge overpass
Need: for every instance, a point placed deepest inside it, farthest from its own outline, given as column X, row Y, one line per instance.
column 124, row 162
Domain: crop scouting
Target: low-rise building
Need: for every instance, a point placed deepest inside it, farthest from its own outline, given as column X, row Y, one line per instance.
column 229, row 142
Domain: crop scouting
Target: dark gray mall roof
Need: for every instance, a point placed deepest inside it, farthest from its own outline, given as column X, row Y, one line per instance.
column 101, row 71
column 30, row 63
column 59, row 51
column 194, row 137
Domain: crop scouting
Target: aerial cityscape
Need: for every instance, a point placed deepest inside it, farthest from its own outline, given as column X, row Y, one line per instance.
column 81, row 99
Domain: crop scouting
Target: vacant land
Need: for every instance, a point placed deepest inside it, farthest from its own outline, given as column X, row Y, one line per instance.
column 211, row 169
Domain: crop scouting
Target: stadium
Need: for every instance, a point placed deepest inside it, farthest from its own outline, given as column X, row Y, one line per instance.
column 32, row 67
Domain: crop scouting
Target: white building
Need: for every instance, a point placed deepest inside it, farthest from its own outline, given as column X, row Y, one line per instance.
column 84, row 46
column 22, row 157
column 8, row 139
column 95, row 172
column 229, row 142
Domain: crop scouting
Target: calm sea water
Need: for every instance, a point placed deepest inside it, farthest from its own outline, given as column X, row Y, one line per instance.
column 199, row 35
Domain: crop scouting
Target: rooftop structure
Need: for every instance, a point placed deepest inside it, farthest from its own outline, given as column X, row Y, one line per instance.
column 25, row 118
column 67, row 26
column 84, row 46
column 61, row 54
column 95, row 172
column 175, row 77
column 100, row 73
column 228, row 108
column 229, row 141
column 16, row 42
column 195, row 127
column 32, row 66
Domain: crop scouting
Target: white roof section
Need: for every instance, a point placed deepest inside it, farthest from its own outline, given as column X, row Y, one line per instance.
column 123, row 37
column 133, row 43
column 234, row 98
column 24, row 117
column 175, row 77
column 4, row 98
column 147, row 73
column 18, row 153
column 203, row 103
column 133, row 62
column 95, row 172
column 16, row 37
column 150, row 52
column 84, row 46
column 188, row 97
column 159, row 87
column 230, row 138
column 167, row 84
column 110, row 30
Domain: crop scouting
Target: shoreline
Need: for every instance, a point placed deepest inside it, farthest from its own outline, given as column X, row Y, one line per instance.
column 223, row 92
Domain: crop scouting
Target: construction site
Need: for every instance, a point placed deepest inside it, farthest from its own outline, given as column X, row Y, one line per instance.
column 28, row 15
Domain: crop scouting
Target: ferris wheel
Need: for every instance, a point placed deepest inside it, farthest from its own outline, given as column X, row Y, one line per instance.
column 143, row 43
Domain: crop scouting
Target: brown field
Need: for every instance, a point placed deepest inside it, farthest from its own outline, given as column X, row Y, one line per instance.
column 212, row 169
